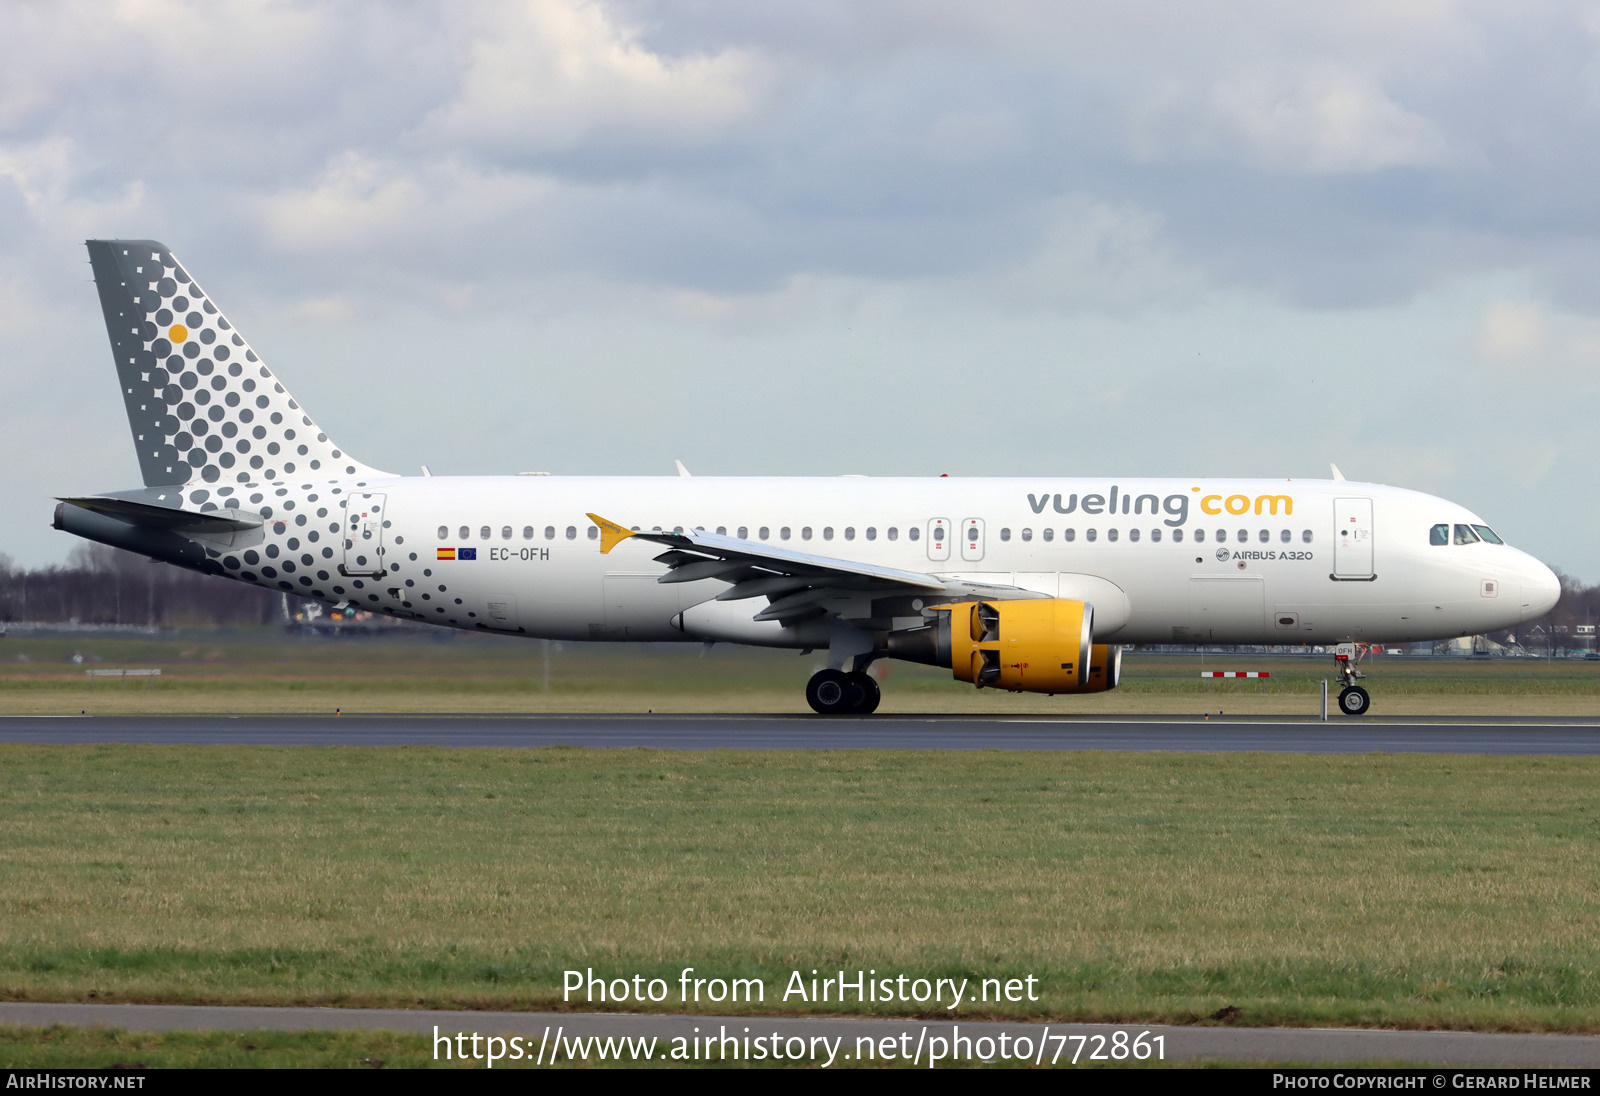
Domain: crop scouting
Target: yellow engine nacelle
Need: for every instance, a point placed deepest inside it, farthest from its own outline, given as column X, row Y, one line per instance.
column 1037, row 645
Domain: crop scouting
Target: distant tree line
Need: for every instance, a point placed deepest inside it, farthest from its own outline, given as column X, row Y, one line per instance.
column 103, row 585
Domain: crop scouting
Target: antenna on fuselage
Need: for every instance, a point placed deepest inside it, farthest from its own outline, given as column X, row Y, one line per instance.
column 1337, row 475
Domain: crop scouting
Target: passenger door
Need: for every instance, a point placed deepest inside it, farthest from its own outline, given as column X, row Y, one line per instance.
column 1352, row 539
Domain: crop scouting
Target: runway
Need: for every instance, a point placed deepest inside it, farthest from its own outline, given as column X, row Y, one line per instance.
column 853, row 1038
column 1533, row 736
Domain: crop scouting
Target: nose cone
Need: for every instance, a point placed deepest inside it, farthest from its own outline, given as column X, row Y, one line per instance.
column 1539, row 589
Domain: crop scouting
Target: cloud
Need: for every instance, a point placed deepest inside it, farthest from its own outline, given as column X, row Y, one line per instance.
column 44, row 174
column 543, row 75
column 1096, row 256
column 1329, row 122
column 1511, row 330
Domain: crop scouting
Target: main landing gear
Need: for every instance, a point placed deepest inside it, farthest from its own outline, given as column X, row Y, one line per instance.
column 1353, row 699
column 834, row 692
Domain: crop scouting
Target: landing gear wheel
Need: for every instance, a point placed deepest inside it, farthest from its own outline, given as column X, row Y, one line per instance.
column 831, row 692
column 1354, row 701
column 870, row 693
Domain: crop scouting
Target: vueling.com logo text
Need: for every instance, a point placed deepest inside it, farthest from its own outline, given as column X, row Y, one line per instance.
column 1175, row 507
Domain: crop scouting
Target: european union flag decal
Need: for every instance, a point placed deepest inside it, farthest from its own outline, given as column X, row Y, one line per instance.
column 467, row 553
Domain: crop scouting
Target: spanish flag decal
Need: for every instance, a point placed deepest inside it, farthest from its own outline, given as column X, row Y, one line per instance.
column 446, row 553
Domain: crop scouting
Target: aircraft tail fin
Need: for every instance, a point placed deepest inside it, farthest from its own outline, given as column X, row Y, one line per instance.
column 203, row 407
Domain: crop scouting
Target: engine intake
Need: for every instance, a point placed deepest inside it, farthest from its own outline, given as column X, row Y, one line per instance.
column 1037, row 645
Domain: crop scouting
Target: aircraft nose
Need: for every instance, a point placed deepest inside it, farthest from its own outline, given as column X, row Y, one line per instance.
column 1540, row 589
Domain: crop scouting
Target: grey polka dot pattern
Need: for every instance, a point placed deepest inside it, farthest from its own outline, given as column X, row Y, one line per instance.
column 204, row 409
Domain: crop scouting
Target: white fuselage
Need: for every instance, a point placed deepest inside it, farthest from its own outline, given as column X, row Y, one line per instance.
column 1163, row 561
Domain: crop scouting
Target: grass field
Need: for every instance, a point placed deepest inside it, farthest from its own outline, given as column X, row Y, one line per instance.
column 1377, row 890
column 268, row 672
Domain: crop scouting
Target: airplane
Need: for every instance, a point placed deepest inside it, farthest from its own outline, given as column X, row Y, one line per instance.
column 1031, row 584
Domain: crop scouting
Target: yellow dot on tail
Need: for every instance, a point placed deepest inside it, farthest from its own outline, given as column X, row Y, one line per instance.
column 178, row 333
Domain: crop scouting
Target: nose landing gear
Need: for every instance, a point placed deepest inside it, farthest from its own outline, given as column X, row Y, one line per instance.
column 834, row 692
column 1353, row 699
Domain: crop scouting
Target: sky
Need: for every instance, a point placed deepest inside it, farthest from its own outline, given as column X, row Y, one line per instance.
column 896, row 238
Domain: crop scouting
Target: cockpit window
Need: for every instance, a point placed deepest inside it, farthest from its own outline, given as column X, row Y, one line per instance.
column 1487, row 534
column 1465, row 535
column 1439, row 534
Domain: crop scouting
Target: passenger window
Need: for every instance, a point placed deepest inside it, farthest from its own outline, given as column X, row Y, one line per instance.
column 483, row 534
column 1265, row 537
column 1069, row 535
column 1487, row 534
column 1089, row 534
column 783, row 534
column 722, row 530
column 914, row 533
column 1244, row 536
column 972, row 533
column 763, row 532
column 1177, row 536
column 505, row 532
column 594, row 532
column 465, row 532
column 805, row 532
column 872, row 532
column 1027, row 534
column 572, row 532
column 1111, row 534
column 527, row 532
column 849, row 532
column 550, row 532
column 1465, row 535
column 1155, row 535
column 1005, row 534
column 1306, row 536
column 1133, row 534
column 744, row 532
column 444, row 532
column 1439, row 535
column 1048, row 534
column 893, row 533
column 1285, row 536
column 827, row 532
column 1199, row 535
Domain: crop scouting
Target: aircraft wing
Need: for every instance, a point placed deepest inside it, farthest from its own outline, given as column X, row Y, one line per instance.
column 794, row 582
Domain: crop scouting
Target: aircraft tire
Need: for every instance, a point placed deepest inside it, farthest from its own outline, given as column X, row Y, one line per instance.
column 871, row 695
column 832, row 692
column 1354, row 701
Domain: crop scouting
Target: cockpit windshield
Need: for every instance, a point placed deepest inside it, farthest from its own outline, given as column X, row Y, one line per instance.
column 1487, row 534
column 1465, row 535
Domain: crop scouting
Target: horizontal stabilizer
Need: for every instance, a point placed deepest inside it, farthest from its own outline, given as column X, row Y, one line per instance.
column 211, row 522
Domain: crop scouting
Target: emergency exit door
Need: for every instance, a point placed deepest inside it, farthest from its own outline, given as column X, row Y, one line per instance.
column 1352, row 539
column 972, row 539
